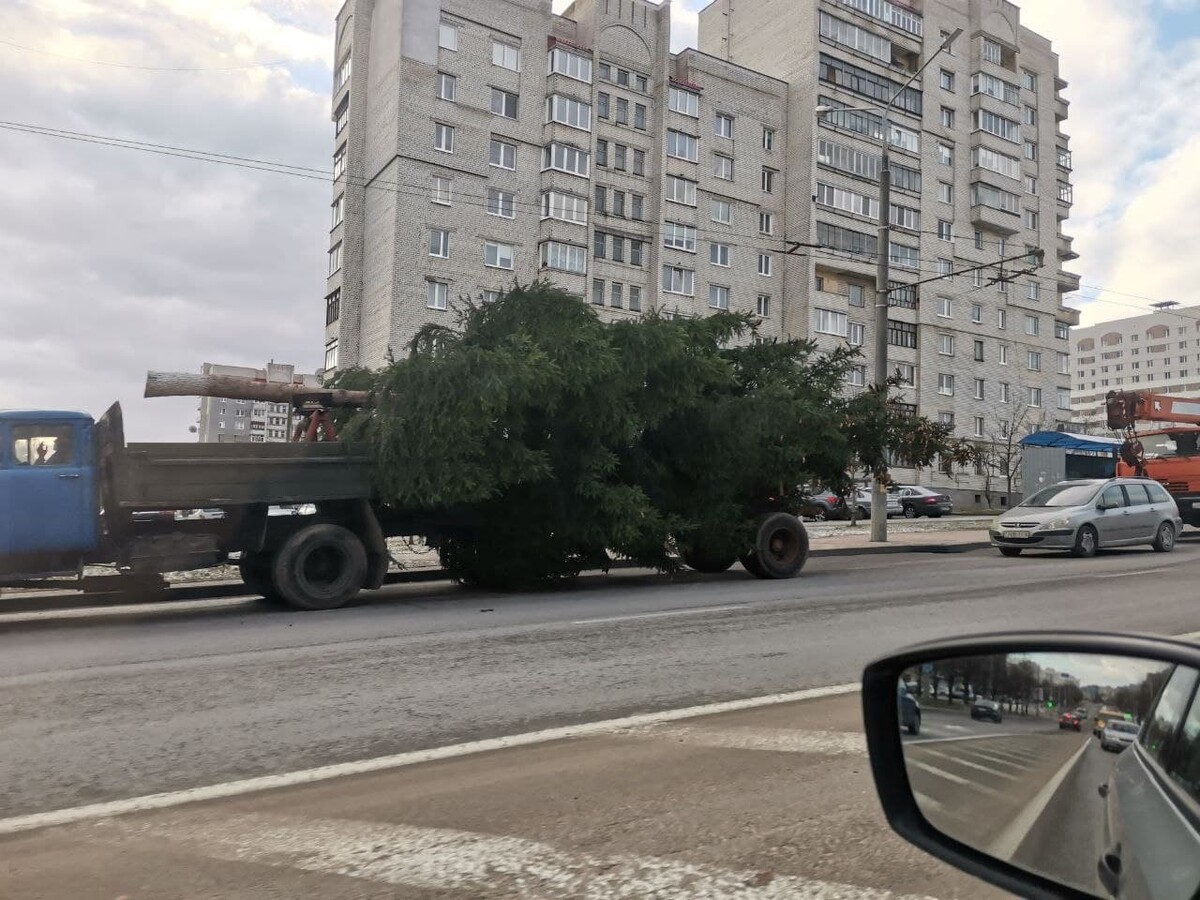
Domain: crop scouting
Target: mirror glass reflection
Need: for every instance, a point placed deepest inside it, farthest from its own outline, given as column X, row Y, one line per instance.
column 1081, row 767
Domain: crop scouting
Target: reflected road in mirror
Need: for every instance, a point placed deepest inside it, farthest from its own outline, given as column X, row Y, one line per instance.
column 1037, row 760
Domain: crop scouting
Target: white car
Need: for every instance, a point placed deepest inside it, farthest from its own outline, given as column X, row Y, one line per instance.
column 1118, row 735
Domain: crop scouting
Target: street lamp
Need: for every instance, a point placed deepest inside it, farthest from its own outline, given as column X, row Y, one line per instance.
column 882, row 253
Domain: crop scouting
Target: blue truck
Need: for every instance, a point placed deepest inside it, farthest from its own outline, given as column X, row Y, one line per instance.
column 73, row 495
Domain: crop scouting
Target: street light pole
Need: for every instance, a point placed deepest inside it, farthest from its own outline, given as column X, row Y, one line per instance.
column 882, row 274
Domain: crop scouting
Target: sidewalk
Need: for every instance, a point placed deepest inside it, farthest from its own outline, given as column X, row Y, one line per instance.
column 953, row 534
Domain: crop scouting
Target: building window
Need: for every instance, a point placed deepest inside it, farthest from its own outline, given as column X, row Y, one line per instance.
column 682, row 146
column 443, row 189
column 1002, row 319
column 866, row 83
column 343, row 73
column 946, row 344
column 980, row 387
column 335, row 257
column 1031, row 219
column 945, row 230
column 1031, row 184
column 686, row 102
column 902, row 334
column 765, row 264
column 768, row 139
column 506, row 56
column 1064, row 364
column 439, row 242
column 946, row 154
column 333, row 307
column 1028, row 80
column 1032, row 325
column 557, row 255
column 766, row 223
column 830, row 321
column 331, row 360
column 448, row 36
column 598, row 291
column 635, row 298
column 339, row 162
column 679, row 237
column 1064, row 398
column 502, row 203
column 680, row 190
column 436, row 294
column 718, row 297
column 447, row 87
column 573, row 65
column 566, row 207
column 945, row 192
column 994, row 161
column 1033, row 290
column 945, row 308
column 946, row 80
column 763, row 306
column 639, row 117
column 1034, row 361
column 1035, row 397
column 443, row 137
column 338, row 210
column 978, row 351
column 565, row 158
column 622, row 116
column 1031, row 150
column 569, row 111
column 617, row 295
column 985, row 195
column 904, row 256
column 946, row 384
column 602, row 104
column 855, row 295
column 620, row 153
column 502, row 154
column 858, row 334
column 721, row 211
column 504, row 103
column 856, row 376
column 635, row 252
column 676, row 280
column 718, row 254
column 723, row 167
column 497, row 256
column 947, row 117
column 1062, row 331
column 723, row 125
column 976, row 314
column 639, row 162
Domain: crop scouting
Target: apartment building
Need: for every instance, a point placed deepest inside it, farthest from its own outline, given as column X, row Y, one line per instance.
column 478, row 143
column 1157, row 351
column 229, row 421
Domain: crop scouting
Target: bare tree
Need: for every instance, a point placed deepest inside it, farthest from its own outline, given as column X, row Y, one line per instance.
column 1001, row 452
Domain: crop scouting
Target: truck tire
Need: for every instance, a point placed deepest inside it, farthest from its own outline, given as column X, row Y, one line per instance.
column 710, row 564
column 319, row 567
column 749, row 562
column 780, row 547
column 255, row 570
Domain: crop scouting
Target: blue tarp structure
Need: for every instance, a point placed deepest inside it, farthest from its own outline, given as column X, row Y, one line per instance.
column 1065, row 440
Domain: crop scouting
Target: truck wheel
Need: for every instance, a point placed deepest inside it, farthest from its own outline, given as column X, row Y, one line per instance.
column 710, row 564
column 750, row 563
column 781, row 546
column 319, row 567
column 255, row 570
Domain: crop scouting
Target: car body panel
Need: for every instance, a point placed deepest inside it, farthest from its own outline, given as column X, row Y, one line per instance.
column 924, row 501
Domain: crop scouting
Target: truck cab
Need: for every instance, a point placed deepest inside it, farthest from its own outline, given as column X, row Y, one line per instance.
column 49, row 516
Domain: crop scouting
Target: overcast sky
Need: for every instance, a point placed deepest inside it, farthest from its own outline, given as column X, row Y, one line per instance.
column 119, row 261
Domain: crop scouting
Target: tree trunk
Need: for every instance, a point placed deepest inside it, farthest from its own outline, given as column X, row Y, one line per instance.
column 184, row 384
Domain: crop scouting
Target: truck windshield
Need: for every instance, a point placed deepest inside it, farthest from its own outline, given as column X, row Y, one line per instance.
column 1062, row 495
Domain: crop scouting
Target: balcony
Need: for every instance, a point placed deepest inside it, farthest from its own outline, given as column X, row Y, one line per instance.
column 1060, row 109
column 1064, row 159
column 1065, row 249
column 995, row 220
column 1067, row 282
column 1068, row 315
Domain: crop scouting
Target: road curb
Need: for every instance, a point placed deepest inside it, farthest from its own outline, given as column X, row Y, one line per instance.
column 874, row 549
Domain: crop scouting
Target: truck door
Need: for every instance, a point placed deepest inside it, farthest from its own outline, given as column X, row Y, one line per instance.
column 47, row 487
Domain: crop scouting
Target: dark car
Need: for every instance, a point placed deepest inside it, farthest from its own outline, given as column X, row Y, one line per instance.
column 986, row 709
column 910, row 711
column 822, row 503
column 921, row 501
column 1070, row 720
column 1152, row 838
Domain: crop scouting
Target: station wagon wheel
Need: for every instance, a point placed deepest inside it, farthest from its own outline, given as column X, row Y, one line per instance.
column 910, row 511
column 1086, row 542
column 1164, row 541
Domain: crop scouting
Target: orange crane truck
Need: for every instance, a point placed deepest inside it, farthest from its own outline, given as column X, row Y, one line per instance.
column 1171, row 456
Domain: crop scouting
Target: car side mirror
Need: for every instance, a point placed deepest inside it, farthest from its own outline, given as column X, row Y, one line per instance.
column 1103, row 507
column 998, row 800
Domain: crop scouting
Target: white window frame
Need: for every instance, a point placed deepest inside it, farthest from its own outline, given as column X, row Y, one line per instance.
column 562, row 61
column 505, row 147
column 443, row 190
column 448, row 36
column 505, row 98
column 564, row 207
column 679, row 236
column 763, row 306
column 945, row 344
column 766, row 222
column 766, row 265
column 550, row 159
column 945, row 308
column 718, row 296
column 437, row 294
column 569, row 111
column 681, row 145
column 335, row 257
column 503, row 253
column 445, row 79
column 563, row 257
column 506, row 56
column 683, row 101
column 722, row 166
column 674, row 184
column 831, row 321
column 439, row 243
column 678, row 280
column 717, row 205
column 720, row 254
column 945, row 384
column 443, row 137
column 723, row 125
column 497, row 205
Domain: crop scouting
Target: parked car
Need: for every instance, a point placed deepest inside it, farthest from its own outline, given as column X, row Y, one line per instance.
column 1084, row 516
column 822, row 504
column 1070, row 720
column 1118, row 735
column 986, row 709
column 862, row 499
column 910, row 711
column 921, row 501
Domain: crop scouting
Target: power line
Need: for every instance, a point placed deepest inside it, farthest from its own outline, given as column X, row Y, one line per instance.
column 141, row 68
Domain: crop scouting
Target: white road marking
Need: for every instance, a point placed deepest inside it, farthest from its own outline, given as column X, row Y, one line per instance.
column 998, row 760
column 956, row 727
column 928, row 803
column 474, row 864
column 969, row 737
column 958, row 760
column 780, row 740
column 690, row 611
column 399, row 760
column 1157, row 571
column 1006, row 844
column 951, row 777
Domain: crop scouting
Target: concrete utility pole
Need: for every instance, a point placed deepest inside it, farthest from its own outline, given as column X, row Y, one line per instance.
column 882, row 255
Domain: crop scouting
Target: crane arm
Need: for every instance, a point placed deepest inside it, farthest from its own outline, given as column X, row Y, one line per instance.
column 1125, row 408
